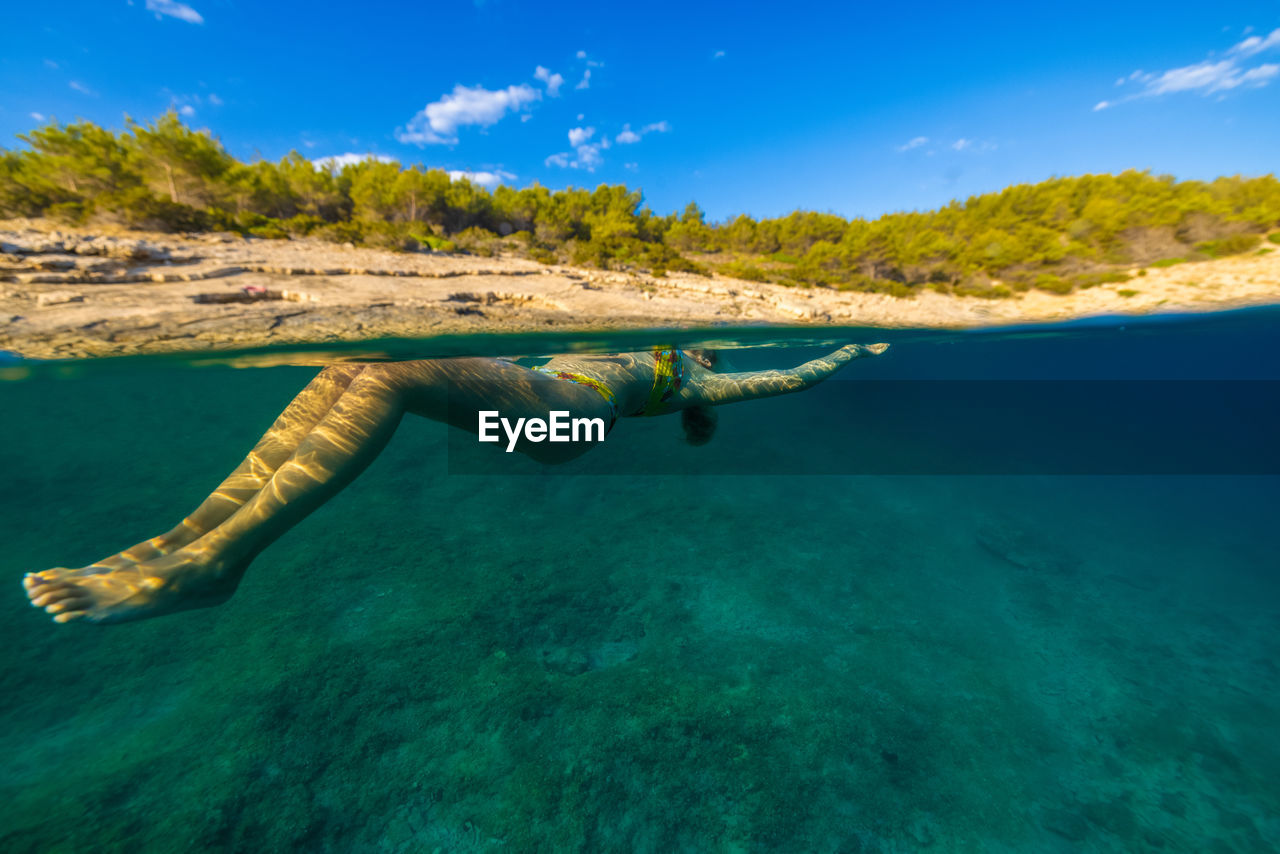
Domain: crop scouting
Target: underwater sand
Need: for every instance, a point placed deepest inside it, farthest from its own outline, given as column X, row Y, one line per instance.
column 743, row 662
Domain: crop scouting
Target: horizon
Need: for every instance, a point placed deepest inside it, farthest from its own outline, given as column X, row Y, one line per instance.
column 574, row 97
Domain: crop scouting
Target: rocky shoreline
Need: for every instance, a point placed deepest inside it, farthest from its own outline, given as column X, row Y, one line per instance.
column 70, row 293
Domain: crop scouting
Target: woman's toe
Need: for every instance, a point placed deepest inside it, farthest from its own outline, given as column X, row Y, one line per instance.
column 68, row 604
column 57, row 594
column 34, row 580
column 69, row 616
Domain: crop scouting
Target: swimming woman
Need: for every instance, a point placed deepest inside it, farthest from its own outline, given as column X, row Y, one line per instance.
column 340, row 422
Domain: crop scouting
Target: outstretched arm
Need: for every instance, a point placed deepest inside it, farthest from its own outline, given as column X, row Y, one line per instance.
column 715, row 389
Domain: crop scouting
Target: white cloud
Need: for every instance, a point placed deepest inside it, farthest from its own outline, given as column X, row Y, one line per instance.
column 173, row 9
column 581, row 116
column 631, row 167
column 215, row 100
column 582, row 54
column 588, row 158
column 337, row 162
column 37, row 116
column 1259, row 76
column 585, row 83
column 186, row 104
column 585, row 157
column 1257, row 44
column 1207, row 77
column 577, row 136
column 81, row 88
column 439, row 121
column 630, row 137
column 973, row 145
column 487, row 179
column 553, row 81
column 718, row 55
column 49, row 63
column 916, row 142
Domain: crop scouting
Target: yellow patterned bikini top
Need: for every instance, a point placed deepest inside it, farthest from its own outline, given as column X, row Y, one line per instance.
column 668, row 374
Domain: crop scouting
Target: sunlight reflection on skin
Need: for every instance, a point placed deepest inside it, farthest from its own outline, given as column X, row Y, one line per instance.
column 337, row 425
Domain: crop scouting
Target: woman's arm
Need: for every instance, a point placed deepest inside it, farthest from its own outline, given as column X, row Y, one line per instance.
column 714, row 389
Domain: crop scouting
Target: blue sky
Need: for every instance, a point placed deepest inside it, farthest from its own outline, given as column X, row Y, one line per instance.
column 859, row 109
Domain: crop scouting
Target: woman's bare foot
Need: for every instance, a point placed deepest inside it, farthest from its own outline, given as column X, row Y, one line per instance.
column 177, row 582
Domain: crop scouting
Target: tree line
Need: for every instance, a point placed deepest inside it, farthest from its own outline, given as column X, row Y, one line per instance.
column 1055, row 235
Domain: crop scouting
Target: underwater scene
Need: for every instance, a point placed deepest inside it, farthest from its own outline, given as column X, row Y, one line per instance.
column 846, row 623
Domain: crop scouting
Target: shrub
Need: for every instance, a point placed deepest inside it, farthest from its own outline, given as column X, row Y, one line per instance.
column 1233, row 245
column 1092, row 280
column 138, row 208
column 388, row 235
column 478, row 241
column 1053, row 284
column 246, row 220
column 1127, row 292
column 1167, row 262
column 270, row 232
column 991, row 292
column 439, row 244
column 867, row 284
column 681, row 264
column 340, row 232
column 71, row 213
column 743, row 270
column 302, row 224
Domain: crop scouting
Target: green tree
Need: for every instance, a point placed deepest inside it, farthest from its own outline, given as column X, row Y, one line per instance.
column 373, row 190
column 186, row 165
column 420, row 194
column 82, row 160
column 312, row 191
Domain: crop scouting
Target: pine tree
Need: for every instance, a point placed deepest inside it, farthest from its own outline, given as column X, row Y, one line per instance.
column 183, row 164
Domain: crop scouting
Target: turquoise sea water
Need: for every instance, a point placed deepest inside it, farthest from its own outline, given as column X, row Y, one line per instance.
column 730, row 655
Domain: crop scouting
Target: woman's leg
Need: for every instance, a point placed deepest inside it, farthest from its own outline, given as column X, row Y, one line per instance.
column 358, row 426
column 302, row 414
column 275, row 446
column 206, row 570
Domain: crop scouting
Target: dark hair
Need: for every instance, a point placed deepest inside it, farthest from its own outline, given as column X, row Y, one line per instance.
column 699, row 423
column 706, row 358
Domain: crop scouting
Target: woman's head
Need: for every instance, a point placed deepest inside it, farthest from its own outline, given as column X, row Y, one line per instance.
column 699, row 423
column 706, row 358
